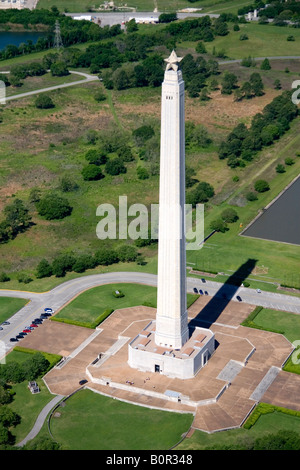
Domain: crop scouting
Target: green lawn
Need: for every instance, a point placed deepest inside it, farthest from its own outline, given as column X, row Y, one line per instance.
column 91, row 303
column 94, row 422
column 264, row 40
column 266, row 424
column 288, row 323
column 9, row 306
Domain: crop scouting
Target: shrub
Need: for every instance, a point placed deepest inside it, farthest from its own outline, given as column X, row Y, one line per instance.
column 142, row 173
column 59, row 69
column 142, row 134
column 4, row 277
column 44, row 102
column 83, row 262
column 244, row 37
column 118, row 294
column 51, row 206
column 99, row 96
column 96, row 156
column 106, row 256
column 44, row 269
column 251, row 196
column 280, row 168
column 115, row 166
column 24, row 278
column 66, row 184
column 127, row 253
column 289, row 161
column 92, row 173
column 62, row 264
column 261, row 186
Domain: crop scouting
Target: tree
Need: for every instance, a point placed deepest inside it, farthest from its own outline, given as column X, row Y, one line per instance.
column 51, row 206
column 17, row 217
column 131, row 26
column 265, row 65
column 115, row 166
column 59, row 69
column 62, row 264
column 96, row 156
column 280, row 168
column 229, row 82
column 251, row 196
column 229, row 215
column 83, row 262
column 277, row 84
column 261, row 186
column 44, row 102
column 105, row 256
column 289, row 161
column 218, row 225
column 127, row 253
column 142, row 134
column 44, row 269
column 67, row 185
column 92, row 173
column 200, row 48
column 256, row 84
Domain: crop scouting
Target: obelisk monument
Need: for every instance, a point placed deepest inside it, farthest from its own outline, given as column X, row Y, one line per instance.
column 171, row 317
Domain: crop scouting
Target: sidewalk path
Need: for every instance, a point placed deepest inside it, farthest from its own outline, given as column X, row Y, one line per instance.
column 40, row 420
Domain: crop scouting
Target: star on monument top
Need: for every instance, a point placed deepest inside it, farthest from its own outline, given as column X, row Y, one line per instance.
column 172, row 61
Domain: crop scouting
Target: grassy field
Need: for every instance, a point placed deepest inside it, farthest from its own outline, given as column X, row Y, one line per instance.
column 91, row 303
column 264, row 41
column 107, row 424
column 266, row 424
column 9, row 306
column 288, row 323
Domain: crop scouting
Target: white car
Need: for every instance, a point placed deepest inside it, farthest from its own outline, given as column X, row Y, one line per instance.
column 258, row 291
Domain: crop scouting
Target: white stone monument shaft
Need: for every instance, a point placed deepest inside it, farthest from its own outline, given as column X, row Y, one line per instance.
column 171, row 318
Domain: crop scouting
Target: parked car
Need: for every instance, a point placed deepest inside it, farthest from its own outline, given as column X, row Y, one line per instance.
column 82, row 382
column 239, row 298
column 5, row 323
column 26, row 331
column 13, row 339
column 195, row 290
column 48, row 310
column 205, row 292
column 203, row 280
column 1, row 328
column 258, row 291
column 200, row 291
column 20, row 336
column 33, row 325
column 37, row 321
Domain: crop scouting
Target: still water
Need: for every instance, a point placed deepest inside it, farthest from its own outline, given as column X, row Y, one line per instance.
column 281, row 221
column 17, row 38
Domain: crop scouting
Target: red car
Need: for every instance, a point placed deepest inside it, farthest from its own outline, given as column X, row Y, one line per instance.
column 34, row 325
column 26, row 331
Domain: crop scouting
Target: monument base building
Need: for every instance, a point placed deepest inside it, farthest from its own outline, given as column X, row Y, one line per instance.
column 145, row 355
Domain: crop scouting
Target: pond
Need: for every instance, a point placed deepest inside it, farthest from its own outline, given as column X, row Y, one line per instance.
column 16, row 38
column 281, row 220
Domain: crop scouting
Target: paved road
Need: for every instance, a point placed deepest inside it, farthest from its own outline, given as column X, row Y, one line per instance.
column 60, row 295
column 88, row 78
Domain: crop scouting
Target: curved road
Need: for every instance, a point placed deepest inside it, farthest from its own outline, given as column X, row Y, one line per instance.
column 87, row 78
column 60, row 295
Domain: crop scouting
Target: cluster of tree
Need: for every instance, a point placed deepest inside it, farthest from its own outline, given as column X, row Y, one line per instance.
column 196, row 71
column 72, row 31
column 198, row 29
column 81, row 262
column 228, row 216
column 51, row 206
column 253, row 87
column 200, row 194
column 20, row 72
column 30, row 369
column 12, row 373
column 149, row 72
column 243, row 143
column 147, row 142
column 16, row 220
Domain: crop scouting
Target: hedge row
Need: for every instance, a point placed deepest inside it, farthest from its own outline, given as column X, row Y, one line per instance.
column 265, row 408
column 51, row 358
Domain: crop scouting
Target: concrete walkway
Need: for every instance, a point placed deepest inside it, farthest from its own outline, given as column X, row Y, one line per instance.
column 40, row 420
